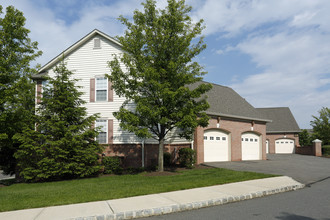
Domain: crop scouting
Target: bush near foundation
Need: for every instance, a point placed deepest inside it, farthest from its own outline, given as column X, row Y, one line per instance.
column 167, row 159
column 326, row 150
column 112, row 165
column 187, row 157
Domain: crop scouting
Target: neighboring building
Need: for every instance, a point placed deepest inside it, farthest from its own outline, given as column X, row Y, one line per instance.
column 237, row 131
column 282, row 132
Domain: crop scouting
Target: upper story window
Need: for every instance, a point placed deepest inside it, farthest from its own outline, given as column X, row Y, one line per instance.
column 101, row 89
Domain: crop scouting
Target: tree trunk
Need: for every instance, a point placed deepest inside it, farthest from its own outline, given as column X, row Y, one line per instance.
column 161, row 155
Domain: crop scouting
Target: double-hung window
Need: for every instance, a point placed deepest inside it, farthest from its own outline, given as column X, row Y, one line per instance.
column 102, row 125
column 101, row 89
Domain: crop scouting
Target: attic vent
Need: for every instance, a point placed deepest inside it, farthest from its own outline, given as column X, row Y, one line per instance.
column 97, row 43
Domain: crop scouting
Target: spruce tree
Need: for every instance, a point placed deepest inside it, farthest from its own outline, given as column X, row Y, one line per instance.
column 63, row 144
column 159, row 68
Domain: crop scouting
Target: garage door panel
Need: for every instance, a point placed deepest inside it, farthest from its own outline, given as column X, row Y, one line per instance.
column 250, row 146
column 284, row 146
column 216, row 146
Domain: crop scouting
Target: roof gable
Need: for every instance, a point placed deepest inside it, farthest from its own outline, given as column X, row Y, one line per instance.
column 74, row 47
column 282, row 120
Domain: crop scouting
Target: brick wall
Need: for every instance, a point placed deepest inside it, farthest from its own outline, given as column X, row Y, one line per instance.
column 273, row 137
column 235, row 129
column 132, row 153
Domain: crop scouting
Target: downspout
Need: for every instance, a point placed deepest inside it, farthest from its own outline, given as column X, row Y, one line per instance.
column 142, row 148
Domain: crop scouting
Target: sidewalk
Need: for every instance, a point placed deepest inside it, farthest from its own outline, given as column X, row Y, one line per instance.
column 158, row 204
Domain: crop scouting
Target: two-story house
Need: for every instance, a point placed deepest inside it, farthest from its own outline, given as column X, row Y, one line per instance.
column 236, row 131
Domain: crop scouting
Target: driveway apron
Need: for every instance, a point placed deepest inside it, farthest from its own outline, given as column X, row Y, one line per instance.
column 304, row 169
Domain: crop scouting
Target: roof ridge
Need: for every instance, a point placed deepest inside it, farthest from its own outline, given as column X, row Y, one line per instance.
column 216, row 84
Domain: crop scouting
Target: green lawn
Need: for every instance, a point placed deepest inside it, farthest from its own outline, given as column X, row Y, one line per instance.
column 33, row 195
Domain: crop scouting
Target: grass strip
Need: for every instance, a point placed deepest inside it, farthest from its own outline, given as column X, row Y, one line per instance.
column 34, row 195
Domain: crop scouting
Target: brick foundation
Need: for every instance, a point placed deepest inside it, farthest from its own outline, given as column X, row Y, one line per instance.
column 132, row 153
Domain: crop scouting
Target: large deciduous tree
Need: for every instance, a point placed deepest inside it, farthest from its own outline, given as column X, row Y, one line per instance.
column 321, row 125
column 158, row 68
column 16, row 89
column 63, row 144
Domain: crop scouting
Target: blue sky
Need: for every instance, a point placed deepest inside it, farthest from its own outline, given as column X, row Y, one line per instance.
column 273, row 53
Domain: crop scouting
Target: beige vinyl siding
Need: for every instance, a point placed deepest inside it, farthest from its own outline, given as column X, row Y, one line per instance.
column 86, row 63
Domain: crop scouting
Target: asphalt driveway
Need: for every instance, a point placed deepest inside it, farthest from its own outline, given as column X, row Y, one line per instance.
column 304, row 169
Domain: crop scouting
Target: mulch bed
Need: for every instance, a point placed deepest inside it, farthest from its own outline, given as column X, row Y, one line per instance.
column 170, row 171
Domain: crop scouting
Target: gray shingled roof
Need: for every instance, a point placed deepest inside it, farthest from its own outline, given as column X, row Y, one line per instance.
column 224, row 101
column 282, row 120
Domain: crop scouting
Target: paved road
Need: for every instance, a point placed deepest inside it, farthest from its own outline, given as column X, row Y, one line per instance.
column 304, row 169
column 312, row 202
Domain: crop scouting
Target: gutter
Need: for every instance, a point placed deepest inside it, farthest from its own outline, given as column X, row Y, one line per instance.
column 238, row 117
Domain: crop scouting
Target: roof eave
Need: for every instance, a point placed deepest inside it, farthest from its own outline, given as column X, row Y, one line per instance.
column 276, row 132
column 237, row 116
column 41, row 76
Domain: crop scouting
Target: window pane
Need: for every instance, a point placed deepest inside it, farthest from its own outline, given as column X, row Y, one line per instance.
column 102, row 138
column 223, row 138
column 218, row 138
column 205, row 137
column 102, row 124
column 101, row 83
column 101, row 95
column 211, row 138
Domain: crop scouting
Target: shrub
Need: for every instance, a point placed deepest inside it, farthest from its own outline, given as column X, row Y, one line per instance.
column 112, row 165
column 167, row 159
column 326, row 150
column 187, row 157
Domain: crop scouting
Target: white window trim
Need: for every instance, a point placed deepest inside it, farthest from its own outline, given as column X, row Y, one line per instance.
column 96, row 89
column 106, row 129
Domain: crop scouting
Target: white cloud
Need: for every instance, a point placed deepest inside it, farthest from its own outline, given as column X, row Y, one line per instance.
column 288, row 40
column 54, row 34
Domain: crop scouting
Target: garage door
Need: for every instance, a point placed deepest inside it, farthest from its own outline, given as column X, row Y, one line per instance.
column 216, row 146
column 250, row 146
column 284, row 146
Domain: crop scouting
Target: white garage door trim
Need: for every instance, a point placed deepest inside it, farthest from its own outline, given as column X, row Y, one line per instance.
column 267, row 146
column 216, row 146
column 251, row 146
column 284, row 146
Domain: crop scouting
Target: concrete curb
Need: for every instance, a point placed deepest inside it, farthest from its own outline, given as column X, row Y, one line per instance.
column 191, row 206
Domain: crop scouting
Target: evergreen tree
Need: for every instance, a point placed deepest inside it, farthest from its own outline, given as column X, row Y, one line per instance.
column 16, row 88
column 63, row 144
column 305, row 138
column 159, row 69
